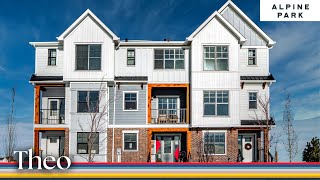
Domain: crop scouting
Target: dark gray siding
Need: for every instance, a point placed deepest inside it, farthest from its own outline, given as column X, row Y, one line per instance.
column 128, row 117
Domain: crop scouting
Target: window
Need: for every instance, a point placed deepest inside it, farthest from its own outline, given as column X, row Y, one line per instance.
column 131, row 57
column 168, row 59
column 130, row 101
column 130, row 141
column 215, row 58
column 216, row 103
column 52, row 57
column 88, row 100
column 53, row 108
column 88, row 57
column 252, row 57
column 83, row 142
column 252, row 100
column 214, row 143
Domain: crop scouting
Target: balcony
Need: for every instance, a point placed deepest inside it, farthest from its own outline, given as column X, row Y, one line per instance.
column 52, row 116
column 168, row 116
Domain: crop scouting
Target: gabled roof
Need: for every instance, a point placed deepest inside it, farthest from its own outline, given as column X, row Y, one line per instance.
column 216, row 14
column 246, row 18
column 80, row 19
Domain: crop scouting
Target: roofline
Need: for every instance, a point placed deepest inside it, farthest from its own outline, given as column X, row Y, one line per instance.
column 241, row 38
column 263, row 34
column 255, row 81
column 80, row 19
column 44, row 44
column 153, row 43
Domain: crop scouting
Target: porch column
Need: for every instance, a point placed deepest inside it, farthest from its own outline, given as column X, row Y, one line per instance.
column 188, row 104
column 189, row 145
column 66, row 142
column 149, row 103
column 266, row 144
column 149, row 144
column 36, row 142
column 37, row 104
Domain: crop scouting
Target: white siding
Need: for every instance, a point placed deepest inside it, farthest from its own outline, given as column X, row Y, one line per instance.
column 214, row 33
column 41, row 64
column 262, row 67
column 88, row 32
column 145, row 66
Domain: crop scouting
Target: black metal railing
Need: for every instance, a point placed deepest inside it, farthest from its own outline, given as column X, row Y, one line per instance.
column 168, row 116
column 52, row 116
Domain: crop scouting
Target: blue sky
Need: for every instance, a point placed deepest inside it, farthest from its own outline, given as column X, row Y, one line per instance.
column 294, row 60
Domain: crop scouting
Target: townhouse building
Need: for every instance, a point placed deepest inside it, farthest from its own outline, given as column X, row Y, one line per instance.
column 194, row 100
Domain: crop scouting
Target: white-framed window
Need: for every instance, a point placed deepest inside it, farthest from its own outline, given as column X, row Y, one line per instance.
column 215, row 58
column 253, row 100
column 214, row 142
column 215, row 103
column 83, row 142
column 52, row 57
column 88, row 57
column 168, row 59
column 252, row 57
column 130, row 101
column 130, row 140
column 131, row 54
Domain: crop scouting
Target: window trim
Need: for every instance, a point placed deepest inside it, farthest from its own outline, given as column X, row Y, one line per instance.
column 87, row 143
column 88, row 44
column 174, row 64
column 215, row 45
column 255, row 49
column 88, row 91
column 123, row 100
column 225, row 141
column 134, row 57
column 252, row 100
column 130, row 131
column 49, row 57
column 216, row 103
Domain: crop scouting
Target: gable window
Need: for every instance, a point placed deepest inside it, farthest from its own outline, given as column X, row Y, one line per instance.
column 216, row 103
column 131, row 57
column 252, row 58
column 130, row 141
column 168, row 59
column 52, row 57
column 252, row 100
column 88, row 100
column 216, row 58
column 130, row 101
column 214, row 143
column 83, row 142
column 88, row 57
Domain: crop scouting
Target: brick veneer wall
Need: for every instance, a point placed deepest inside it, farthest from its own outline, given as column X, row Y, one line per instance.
column 128, row 156
column 66, row 142
column 232, row 147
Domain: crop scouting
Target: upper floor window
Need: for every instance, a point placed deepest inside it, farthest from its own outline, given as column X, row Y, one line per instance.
column 216, row 58
column 216, row 103
column 168, row 59
column 52, row 57
column 252, row 58
column 88, row 101
column 131, row 57
column 130, row 101
column 214, row 143
column 252, row 100
column 83, row 142
column 88, row 57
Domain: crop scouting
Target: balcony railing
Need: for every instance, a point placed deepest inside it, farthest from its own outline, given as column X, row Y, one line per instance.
column 52, row 116
column 168, row 116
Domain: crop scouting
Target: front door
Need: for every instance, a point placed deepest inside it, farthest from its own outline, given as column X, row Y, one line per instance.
column 166, row 148
column 248, row 148
column 53, row 146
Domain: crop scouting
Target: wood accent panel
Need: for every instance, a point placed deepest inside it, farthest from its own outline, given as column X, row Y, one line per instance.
column 36, row 142
column 188, row 143
column 37, row 105
column 50, row 129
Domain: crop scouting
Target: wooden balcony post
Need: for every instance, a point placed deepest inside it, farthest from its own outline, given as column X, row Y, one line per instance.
column 149, row 103
column 37, row 105
column 36, row 142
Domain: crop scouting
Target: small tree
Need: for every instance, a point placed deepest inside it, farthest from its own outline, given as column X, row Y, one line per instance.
column 291, row 137
column 204, row 152
column 311, row 152
column 10, row 136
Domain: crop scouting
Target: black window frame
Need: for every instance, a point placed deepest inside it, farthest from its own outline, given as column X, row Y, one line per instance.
column 89, row 58
column 214, row 143
column 252, row 57
column 86, row 138
column 88, row 95
column 52, row 57
column 131, row 58
column 162, row 57
column 215, row 102
column 136, row 141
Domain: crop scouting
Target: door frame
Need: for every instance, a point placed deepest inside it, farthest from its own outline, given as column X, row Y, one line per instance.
column 254, row 144
column 58, row 141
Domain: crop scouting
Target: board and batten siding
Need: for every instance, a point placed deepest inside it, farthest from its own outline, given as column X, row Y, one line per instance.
column 253, row 38
column 128, row 117
column 41, row 64
column 262, row 60
column 144, row 66
column 88, row 32
column 214, row 33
